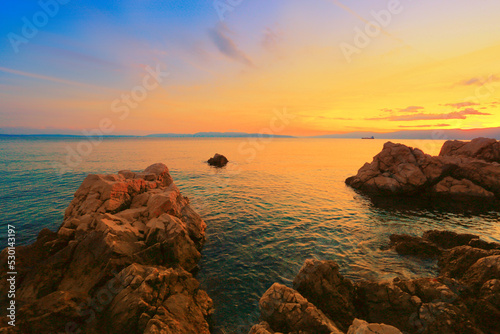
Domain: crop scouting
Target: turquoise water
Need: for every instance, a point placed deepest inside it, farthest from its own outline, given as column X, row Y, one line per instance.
column 276, row 204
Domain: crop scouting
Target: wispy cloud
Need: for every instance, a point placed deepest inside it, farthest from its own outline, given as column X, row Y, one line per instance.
column 407, row 110
column 220, row 37
column 52, row 79
column 461, row 104
column 411, row 109
column 424, row 126
column 462, row 114
column 479, row 81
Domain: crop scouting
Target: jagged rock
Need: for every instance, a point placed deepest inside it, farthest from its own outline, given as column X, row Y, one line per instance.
column 116, row 224
column 262, row 328
column 448, row 239
column 362, row 327
column 321, row 283
column 465, row 298
column 486, row 149
column 385, row 302
column 286, row 310
column 458, row 177
column 218, row 160
column 487, row 307
column 455, row 262
column 483, row 270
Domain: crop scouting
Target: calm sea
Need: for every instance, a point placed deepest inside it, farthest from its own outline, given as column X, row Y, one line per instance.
column 276, row 204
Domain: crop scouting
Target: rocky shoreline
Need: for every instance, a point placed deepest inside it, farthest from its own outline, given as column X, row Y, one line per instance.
column 465, row 175
column 124, row 257
column 121, row 262
column 464, row 298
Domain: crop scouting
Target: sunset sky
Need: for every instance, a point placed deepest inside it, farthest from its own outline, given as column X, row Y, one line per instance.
column 428, row 64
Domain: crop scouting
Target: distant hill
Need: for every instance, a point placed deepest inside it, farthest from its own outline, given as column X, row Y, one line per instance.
column 404, row 134
column 423, row 134
column 216, row 135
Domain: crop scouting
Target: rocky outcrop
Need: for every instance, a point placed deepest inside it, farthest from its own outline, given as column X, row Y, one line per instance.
column 486, row 149
column 120, row 262
column 463, row 174
column 218, row 160
column 321, row 283
column 464, row 298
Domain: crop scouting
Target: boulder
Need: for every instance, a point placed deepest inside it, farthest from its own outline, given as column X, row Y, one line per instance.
column 486, row 149
column 321, row 283
column 130, row 227
column 218, row 160
column 286, row 310
column 362, row 327
column 463, row 176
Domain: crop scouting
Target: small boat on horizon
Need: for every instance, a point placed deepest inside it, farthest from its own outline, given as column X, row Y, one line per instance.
column 372, row 137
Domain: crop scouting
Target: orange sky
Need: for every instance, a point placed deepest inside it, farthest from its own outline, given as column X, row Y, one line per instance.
column 431, row 66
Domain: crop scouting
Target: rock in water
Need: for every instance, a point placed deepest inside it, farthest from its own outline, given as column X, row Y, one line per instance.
column 119, row 263
column 465, row 174
column 464, row 298
column 218, row 160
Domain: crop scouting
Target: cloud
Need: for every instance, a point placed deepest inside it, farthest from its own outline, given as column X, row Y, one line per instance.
column 462, row 114
column 423, row 126
column 52, row 79
column 479, row 81
column 411, row 109
column 219, row 36
column 461, row 104
column 407, row 110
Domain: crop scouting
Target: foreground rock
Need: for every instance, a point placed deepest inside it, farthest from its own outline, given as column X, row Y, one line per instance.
column 119, row 263
column 463, row 174
column 464, row 298
column 218, row 160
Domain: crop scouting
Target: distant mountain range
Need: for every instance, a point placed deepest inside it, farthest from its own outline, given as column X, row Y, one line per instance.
column 423, row 134
column 404, row 134
column 216, row 135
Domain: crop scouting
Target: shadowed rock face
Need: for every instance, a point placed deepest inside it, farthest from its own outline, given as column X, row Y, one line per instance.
column 464, row 298
column 119, row 263
column 463, row 174
column 218, row 160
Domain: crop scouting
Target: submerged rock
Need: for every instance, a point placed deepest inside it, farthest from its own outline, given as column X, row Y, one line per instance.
column 120, row 262
column 218, row 160
column 464, row 174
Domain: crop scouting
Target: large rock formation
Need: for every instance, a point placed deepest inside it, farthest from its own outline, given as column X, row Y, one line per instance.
column 464, row 298
column 465, row 173
column 119, row 263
